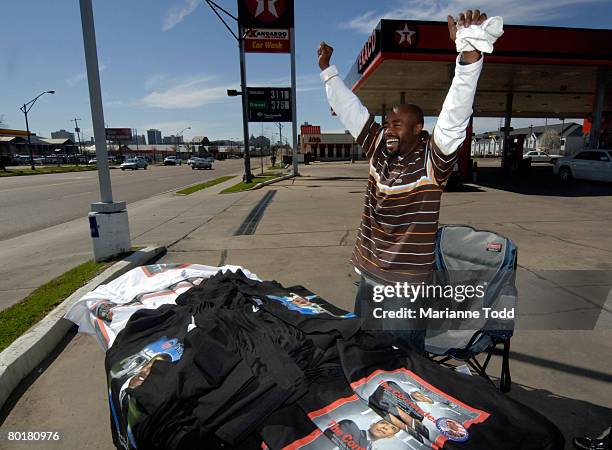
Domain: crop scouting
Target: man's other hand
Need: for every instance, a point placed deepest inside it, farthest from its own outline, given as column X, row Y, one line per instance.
column 466, row 19
column 324, row 52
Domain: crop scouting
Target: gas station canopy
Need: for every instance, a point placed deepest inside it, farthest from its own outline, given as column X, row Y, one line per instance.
column 533, row 71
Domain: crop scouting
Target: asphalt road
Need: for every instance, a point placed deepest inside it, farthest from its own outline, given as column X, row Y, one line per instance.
column 32, row 203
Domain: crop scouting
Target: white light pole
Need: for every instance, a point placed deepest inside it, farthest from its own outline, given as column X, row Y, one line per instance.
column 108, row 221
column 26, row 109
column 180, row 133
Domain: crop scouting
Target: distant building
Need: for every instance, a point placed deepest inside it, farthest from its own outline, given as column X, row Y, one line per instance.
column 154, row 137
column 172, row 139
column 62, row 134
column 138, row 139
column 328, row 146
column 199, row 145
column 563, row 138
column 14, row 142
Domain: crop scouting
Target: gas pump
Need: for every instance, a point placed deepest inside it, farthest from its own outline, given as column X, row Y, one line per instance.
column 515, row 153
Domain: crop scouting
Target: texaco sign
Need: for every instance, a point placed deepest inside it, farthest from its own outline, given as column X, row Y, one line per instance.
column 266, row 13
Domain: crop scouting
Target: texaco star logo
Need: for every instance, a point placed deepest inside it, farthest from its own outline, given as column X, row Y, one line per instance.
column 406, row 36
column 267, row 10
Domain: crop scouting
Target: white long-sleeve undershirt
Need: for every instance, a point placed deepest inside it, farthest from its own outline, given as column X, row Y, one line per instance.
column 449, row 131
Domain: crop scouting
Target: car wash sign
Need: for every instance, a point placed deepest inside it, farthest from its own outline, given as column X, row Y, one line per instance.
column 267, row 40
column 265, row 13
column 269, row 104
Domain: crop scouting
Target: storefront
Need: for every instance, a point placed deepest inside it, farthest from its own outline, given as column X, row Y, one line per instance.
column 328, row 146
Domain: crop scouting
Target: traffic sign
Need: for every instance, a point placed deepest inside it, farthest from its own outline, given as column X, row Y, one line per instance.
column 269, row 104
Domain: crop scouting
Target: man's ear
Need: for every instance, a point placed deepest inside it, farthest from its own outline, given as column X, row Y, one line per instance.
column 417, row 129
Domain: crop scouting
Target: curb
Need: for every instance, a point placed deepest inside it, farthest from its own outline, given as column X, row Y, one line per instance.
column 267, row 183
column 29, row 350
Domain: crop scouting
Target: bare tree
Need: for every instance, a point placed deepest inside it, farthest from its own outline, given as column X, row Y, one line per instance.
column 550, row 140
column 2, row 122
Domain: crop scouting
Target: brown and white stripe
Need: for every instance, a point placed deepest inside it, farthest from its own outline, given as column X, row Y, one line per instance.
column 396, row 239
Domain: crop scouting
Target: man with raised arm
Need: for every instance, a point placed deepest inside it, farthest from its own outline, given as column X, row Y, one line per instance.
column 408, row 167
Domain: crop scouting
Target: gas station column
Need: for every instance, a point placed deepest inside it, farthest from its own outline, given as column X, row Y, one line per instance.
column 600, row 95
column 506, row 164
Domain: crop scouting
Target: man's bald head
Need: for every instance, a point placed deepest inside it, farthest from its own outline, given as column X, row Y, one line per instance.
column 409, row 108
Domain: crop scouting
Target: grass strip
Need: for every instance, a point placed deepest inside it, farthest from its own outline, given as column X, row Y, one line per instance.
column 242, row 186
column 17, row 319
column 44, row 170
column 272, row 173
column 207, row 184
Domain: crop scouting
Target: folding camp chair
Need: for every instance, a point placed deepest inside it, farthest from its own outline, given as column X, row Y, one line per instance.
column 464, row 254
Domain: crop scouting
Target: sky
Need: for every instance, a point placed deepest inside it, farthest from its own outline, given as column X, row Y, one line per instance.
column 167, row 64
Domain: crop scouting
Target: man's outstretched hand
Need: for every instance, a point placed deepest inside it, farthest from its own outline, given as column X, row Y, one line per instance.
column 324, row 52
column 466, row 19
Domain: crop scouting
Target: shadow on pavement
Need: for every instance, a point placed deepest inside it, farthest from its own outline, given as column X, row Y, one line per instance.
column 540, row 180
column 558, row 366
column 29, row 380
column 573, row 417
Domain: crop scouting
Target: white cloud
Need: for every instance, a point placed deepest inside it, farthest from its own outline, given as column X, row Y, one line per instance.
column 154, row 81
column 82, row 76
column 188, row 93
column 514, row 11
column 177, row 14
column 114, row 103
column 196, row 91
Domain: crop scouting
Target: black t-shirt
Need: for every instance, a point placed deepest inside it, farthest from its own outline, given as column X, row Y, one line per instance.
column 149, row 338
column 318, row 319
column 238, row 363
column 460, row 411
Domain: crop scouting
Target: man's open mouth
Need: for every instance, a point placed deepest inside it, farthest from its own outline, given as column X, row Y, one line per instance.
column 391, row 141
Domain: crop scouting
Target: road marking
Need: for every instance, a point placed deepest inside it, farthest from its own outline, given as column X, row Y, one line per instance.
column 37, row 187
column 76, row 195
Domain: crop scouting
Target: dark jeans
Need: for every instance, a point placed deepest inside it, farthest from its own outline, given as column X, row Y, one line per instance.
column 413, row 339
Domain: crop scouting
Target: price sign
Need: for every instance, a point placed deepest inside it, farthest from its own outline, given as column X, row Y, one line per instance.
column 269, row 104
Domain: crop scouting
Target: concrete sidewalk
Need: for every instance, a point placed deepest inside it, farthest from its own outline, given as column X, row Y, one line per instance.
column 306, row 237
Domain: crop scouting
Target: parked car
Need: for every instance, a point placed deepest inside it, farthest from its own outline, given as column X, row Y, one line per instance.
column 541, row 156
column 172, row 161
column 586, row 165
column 201, row 163
column 135, row 163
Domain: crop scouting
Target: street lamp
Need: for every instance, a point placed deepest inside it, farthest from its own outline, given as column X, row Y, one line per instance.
column 26, row 109
column 180, row 133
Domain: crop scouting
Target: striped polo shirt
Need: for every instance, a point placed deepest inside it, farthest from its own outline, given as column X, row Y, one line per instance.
column 397, row 236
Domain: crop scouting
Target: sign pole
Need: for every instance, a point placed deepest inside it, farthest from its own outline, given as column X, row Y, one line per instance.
column 293, row 103
column 245, row 112
column 108, row 221
column 95, row 99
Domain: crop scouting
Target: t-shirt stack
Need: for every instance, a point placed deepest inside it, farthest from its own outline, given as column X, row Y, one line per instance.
column 241, row 363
